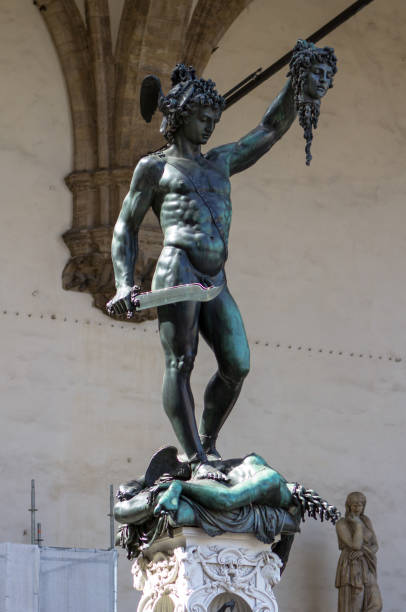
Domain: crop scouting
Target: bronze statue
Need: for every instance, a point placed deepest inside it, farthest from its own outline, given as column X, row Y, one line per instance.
column 356, row 577
column 255, row 498
column 312, row 70
column 190, row 194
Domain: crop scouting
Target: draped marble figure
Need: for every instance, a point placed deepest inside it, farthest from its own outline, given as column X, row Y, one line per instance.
column 356, row 578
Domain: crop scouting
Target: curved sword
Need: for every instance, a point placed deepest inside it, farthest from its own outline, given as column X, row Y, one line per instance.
column 195, row 292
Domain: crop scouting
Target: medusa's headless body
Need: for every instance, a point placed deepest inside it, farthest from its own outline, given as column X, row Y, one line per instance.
column 250, row 481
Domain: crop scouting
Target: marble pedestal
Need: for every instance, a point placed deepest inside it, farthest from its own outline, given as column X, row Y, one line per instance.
column 193, row 572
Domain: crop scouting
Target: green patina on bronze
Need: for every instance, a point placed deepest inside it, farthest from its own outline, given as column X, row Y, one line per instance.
column 190, row 194
column 253, row 498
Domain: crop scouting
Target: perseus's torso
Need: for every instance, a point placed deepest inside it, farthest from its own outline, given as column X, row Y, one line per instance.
column 193, row 202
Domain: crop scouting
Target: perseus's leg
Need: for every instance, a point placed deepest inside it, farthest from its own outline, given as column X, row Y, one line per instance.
column 222, row 327
column 178, row 329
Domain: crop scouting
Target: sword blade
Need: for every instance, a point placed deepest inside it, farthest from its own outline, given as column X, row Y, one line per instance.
column 181, row 293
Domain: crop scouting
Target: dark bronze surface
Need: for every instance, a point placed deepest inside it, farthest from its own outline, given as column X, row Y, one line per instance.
column 190, row 195
column 252, row 498
column 312, row 70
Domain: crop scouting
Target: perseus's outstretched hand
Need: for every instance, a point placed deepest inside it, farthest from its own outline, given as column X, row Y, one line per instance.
column 312, row 70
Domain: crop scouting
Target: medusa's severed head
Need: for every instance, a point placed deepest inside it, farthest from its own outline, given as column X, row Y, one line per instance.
column 188, row 94
column 312, row 70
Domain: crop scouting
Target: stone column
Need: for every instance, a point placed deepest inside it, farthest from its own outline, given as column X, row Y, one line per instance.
column 193, row 572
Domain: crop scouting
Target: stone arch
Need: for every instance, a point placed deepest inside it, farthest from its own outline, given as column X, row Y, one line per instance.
column 210, row 21
column 109, row 134
column 69, row 36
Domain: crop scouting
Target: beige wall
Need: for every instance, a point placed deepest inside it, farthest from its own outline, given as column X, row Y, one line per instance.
column 316, row 263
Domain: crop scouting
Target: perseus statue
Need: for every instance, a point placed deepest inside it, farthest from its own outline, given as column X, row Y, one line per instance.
column 190, row 194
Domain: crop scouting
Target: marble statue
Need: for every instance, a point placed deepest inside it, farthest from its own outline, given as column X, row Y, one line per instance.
column 356, row 578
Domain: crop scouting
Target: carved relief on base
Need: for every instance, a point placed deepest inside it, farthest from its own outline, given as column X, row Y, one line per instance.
column 201, row 578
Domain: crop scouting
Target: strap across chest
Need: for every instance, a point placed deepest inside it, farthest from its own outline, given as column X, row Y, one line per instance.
column 213, row 213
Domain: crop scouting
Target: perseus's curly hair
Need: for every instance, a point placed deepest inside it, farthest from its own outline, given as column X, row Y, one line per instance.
column 304, row 55
column 187, row 92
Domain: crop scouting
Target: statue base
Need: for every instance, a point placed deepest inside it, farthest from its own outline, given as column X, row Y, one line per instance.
column 192, row 572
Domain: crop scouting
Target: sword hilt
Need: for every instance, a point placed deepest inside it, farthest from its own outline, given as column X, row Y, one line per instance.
column 136, row 290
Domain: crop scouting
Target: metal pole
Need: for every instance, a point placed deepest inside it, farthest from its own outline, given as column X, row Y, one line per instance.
column 111, row 515
column 33, row 511
column 250, row 77
column 251, row 82
column 40, row 539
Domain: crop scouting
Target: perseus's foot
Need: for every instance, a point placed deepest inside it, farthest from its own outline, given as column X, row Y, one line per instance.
column 205, row 470
column 213, row 455
column 169, row 500
column 209, row 447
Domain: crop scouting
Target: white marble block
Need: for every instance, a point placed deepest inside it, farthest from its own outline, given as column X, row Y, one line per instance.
column 193, row 572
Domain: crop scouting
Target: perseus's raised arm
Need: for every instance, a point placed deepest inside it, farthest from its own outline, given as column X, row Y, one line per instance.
column 124, row 245
column 276, row 121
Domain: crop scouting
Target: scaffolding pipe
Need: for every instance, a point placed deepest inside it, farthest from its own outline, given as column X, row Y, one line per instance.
column 33, row 511
column 111, row 515
column 40, row 539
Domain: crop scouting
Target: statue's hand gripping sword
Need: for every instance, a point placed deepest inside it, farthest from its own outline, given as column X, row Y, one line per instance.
column 195, row 292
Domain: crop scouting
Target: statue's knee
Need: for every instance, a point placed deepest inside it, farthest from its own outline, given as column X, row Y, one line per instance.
column 225, row 501
column 244, row 369
column 182, row 364
column 236, row 371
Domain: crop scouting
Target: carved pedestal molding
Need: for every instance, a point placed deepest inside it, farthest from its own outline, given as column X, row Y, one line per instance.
column 195, row 573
